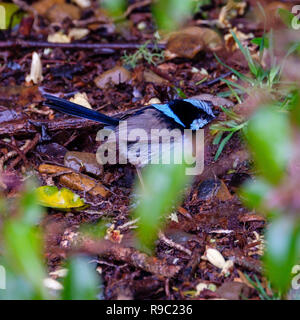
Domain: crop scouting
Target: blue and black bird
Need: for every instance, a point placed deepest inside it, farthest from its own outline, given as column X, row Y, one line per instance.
column 177, row 114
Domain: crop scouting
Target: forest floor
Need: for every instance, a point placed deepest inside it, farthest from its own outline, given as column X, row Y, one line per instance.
column 211, row 215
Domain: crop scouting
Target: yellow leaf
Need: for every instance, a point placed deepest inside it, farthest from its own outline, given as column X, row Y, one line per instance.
column 50, row 196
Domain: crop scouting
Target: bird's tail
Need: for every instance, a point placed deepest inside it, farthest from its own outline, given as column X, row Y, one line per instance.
column 78, row 110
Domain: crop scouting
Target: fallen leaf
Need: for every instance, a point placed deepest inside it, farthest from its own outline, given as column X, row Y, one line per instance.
column 188, row 42
column 83, row 161
column 223, row 192
column 12, row 14
column 115, row 76
column 215, row 100
column 233, row 291
column 82, row 99
column 36, row 69
column 150, row 76
column 231, row 10
column 230, row 43
column 41, row 7
column 58, row 37
column 75, row 181
column 84, row 4
column 153, row 101
column 60, row 11
column 78, row 33
column 50, row 196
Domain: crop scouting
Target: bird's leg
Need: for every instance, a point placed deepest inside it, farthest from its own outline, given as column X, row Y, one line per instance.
column 139, row 174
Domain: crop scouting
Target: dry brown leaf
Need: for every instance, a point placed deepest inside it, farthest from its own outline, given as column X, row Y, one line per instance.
column 78, row 33
column 231, row 10
column 188, row 42
column 83, row 3
column 61, row 11
column 44, row 5
column 115, row 76
column 150, row 76
column 75, row 180
column 82, row 99
column 215, row 100
column 58, row 37
column 223, row 192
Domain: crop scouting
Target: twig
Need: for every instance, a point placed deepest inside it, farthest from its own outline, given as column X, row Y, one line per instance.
column 135, row 6
column 24, row 127
column 106, row 47
column 133, row 257
column 173, row 244
column 26, row 148
column 18, row 151
column 211, row 82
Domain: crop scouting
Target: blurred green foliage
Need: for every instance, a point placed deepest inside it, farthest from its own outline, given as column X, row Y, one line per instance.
column 10, row 15
column 114, row 7
column 81, row 282
column 269, row 138
column 170, row 14
column 22, row 240
column 164, row 186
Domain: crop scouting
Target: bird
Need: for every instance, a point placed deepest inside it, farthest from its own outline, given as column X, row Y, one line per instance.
column 181, row 115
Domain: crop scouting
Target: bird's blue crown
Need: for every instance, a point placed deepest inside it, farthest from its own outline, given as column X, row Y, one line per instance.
column 189, row 113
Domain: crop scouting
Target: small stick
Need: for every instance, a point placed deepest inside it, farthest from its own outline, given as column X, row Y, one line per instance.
column 76, row 45
column 173, row 244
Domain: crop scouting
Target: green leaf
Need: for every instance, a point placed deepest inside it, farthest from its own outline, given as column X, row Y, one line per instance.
column 164, row 186
column 170, row 14
column 24, row 254
column 253, row 193
column 252, row 66
column 180, row 93
column 262, row 42
column 269, row 137
column 222, row 145
column 50, row 196
column 286, row 17
column 238, row 74
column 283, row 251
column 81, row 282
column 9, row 15
column 115, row 8
column 31, row 211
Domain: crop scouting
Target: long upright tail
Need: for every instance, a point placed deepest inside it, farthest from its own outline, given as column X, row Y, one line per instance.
column 78, row 110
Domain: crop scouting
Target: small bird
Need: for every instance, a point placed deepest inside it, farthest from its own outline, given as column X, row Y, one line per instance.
column 192, row 114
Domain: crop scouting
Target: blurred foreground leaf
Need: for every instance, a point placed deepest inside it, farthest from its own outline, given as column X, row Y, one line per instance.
column 81, row 282
column 253, row 193
column 23, row 247
column 114, row 7
column 170, row 14
column 9, row 14
column 269, row 137
column 164, row 186
column 283, row 251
